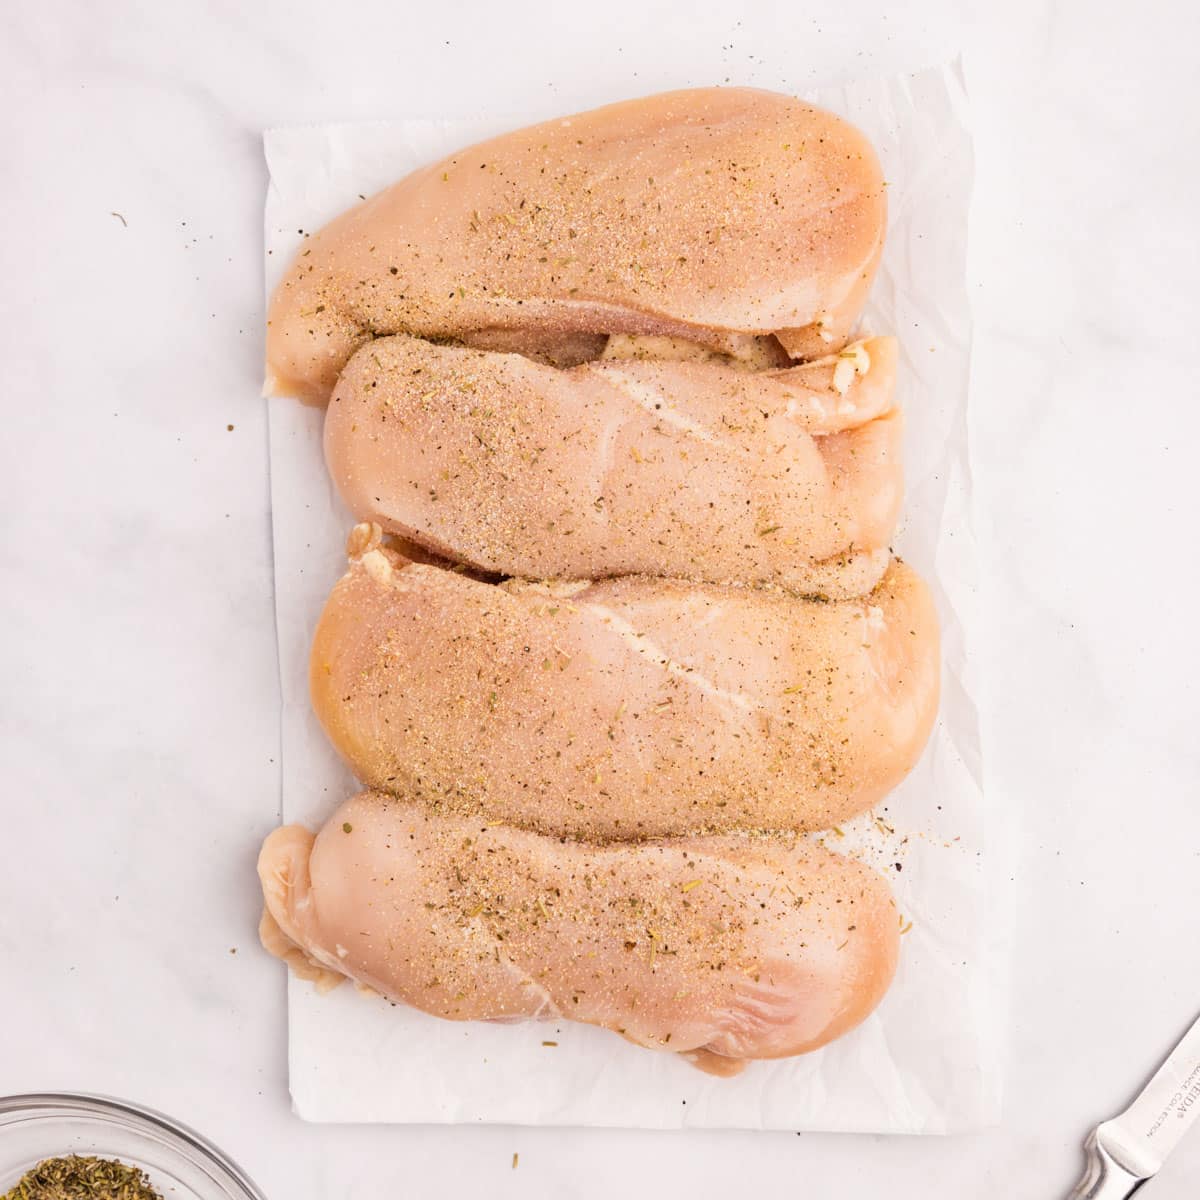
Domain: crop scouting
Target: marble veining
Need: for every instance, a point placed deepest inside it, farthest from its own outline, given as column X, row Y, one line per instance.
column 140, row 707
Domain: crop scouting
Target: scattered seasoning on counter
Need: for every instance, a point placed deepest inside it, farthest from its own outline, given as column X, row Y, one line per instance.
column 78, row 1178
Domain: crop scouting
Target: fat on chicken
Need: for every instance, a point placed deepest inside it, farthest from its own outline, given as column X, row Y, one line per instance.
column 721, row 949
column 728, row 217
column 623, row 708
column 625, row 466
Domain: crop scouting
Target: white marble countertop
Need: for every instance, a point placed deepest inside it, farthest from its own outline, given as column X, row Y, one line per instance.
column 139, row 706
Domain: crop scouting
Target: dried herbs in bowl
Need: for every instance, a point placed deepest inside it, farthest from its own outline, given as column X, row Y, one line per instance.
column 83, row 1178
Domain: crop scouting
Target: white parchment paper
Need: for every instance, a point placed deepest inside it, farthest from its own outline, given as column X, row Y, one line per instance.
column 926, row 1061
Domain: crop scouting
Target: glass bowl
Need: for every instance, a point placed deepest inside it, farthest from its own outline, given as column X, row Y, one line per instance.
column 179, row 1163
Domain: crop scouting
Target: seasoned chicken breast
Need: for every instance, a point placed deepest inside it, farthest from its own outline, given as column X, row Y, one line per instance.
column 695, row 470
column 718, row 215
column 624, row 708
column 720, row 949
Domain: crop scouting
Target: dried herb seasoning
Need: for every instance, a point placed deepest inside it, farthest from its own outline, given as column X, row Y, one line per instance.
column 83, row 1178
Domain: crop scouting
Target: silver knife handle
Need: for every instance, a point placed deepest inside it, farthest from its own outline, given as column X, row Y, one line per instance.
column 1104, row 1177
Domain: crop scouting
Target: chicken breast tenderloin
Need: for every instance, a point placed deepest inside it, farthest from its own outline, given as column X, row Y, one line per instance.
column 715, row 215
column 695, row 470
column 721, row 949
column 624, row 708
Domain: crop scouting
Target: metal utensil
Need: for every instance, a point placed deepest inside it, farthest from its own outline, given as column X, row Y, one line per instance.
column 1131, row 1148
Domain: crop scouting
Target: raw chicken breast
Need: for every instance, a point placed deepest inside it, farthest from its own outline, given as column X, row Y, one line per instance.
column 721, row 949
column 624, row 708
column 715, row 215
column 695, row 470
